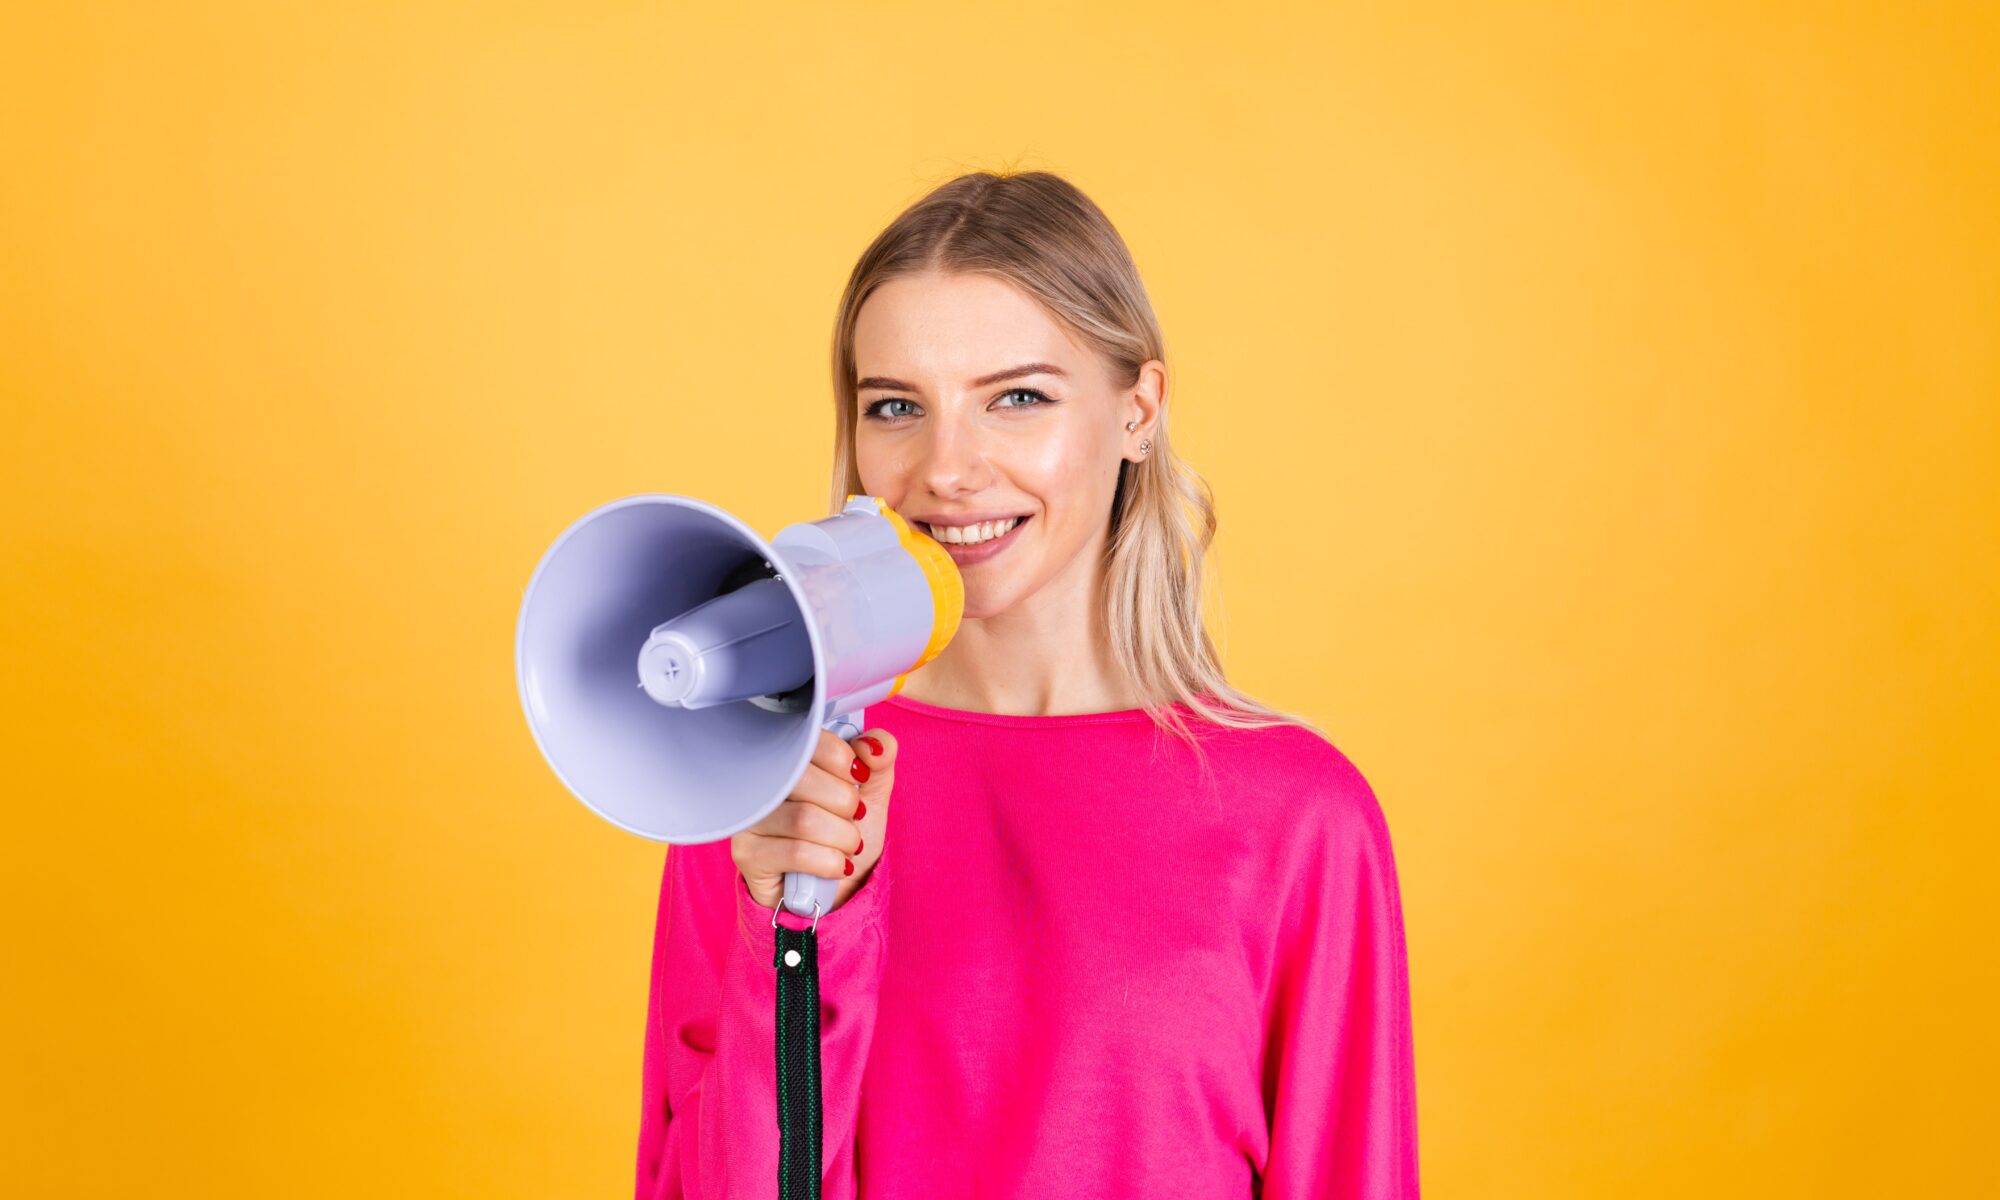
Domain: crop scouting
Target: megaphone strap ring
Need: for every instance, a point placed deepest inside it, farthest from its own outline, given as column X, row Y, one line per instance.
column 815, row 915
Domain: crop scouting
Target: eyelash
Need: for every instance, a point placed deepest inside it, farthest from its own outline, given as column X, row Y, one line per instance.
column 1043, row 401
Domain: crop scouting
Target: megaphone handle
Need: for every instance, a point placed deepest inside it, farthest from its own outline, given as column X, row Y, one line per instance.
column 811, row 896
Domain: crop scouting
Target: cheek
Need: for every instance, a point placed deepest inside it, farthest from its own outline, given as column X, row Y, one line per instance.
column 1075, row 481
column 881, row 469
column 1062, row 471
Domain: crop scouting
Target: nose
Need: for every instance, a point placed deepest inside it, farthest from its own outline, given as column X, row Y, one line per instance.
column 955, row 461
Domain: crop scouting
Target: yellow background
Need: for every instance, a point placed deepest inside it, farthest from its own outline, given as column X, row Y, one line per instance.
column 1597, row 398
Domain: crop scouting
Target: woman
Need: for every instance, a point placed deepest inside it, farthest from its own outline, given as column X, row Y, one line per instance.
column 1134, row 934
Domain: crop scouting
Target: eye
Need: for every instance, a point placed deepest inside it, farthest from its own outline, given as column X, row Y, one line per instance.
column 872, row 411
column 1041, row 401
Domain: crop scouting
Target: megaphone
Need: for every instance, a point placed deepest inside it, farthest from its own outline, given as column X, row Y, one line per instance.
column 677, row 669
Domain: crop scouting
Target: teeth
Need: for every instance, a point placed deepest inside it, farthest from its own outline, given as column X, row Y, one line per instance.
column 972, row 535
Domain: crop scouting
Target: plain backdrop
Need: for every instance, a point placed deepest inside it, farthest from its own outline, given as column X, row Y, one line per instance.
column 1600, row 401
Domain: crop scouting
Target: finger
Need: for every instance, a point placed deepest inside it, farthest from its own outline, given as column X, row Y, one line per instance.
column 812, row 823
column 779, row 855
column 877, row 749
column 837, row 796
column 815, row 790
column 838, row 759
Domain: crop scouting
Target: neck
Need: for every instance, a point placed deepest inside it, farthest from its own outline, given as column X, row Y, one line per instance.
column 1048, row 655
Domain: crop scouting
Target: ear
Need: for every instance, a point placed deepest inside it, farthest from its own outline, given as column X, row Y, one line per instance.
column 1146, row 403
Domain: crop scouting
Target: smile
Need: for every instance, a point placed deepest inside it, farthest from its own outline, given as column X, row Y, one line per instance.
column 972, row 535
column 971, row 544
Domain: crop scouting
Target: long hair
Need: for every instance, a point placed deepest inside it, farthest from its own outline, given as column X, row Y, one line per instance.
column 1039, row 232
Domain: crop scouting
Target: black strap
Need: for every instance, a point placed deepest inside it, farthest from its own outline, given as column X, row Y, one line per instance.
column 799, row 1116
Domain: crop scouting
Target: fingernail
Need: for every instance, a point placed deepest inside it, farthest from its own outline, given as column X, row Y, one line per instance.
column 858, row 843
column 874, row 747
column 850, row 866
column 859, row 770
column 860, row 809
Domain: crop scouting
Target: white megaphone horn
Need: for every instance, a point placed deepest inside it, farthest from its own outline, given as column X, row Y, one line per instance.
column 677, row 669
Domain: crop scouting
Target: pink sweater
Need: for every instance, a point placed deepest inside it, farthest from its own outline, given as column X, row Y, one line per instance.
column 1077, row 970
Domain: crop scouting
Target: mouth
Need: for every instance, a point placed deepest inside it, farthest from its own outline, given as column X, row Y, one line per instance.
column 972, row 535
column 968, row 544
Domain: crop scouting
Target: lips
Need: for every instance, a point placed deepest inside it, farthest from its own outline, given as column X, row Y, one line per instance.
column 966, row 555
column 974, row 533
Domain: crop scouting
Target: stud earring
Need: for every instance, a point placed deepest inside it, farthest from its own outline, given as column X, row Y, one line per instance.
column 1131, row 425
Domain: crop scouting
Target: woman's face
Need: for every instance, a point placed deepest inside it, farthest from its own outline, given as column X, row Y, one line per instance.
column 975, row 406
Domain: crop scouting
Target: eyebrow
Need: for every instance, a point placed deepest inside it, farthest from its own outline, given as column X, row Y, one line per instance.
column 897, row 385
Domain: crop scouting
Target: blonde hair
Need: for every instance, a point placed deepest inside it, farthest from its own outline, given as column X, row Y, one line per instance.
column 1040, row 233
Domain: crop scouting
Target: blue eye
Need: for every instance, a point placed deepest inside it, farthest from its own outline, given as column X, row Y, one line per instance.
column 870, row 411
column 1039, row 400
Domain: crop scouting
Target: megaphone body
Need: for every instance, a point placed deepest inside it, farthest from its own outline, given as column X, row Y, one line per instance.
column 677, row 669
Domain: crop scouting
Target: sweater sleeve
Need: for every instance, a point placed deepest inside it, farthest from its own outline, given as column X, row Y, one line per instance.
column 708, row 1126
column 1339, row 1078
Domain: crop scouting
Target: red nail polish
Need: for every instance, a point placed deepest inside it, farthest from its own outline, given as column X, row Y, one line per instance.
column 859, row 770
column 850, row 866
column 858, row 843
column 874, row 747
column 860, row 809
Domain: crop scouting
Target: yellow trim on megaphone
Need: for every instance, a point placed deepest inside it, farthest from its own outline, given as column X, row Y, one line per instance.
column 947, row 588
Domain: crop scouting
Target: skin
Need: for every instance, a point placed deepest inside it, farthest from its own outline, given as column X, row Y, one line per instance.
column 1032, row 640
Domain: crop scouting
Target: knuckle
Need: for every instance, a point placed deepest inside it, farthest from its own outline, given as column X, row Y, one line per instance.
column 804, row 790
column 807, row 793
column 798, row 818
column 833, row 755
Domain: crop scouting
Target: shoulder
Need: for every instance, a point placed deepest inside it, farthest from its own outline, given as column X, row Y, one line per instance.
column 1300, row 789
column 1317, row 840
column 1291, row 760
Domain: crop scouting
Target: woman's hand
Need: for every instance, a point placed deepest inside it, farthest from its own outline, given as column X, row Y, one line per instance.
column 831, row 825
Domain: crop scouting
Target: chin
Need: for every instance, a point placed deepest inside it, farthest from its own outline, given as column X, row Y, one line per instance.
column 981, row 603
column 979, row 611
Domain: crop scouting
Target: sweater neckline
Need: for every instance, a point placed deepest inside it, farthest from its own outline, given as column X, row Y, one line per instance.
column 968, row 716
